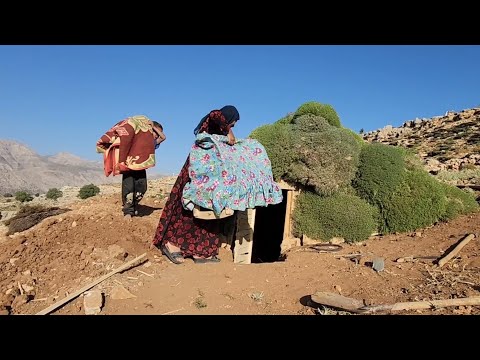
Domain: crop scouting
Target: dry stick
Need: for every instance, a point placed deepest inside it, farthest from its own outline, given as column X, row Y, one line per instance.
column 455, row 251
column 122, row 268
column 172, row 312
column 357, row 306
column 418, row 305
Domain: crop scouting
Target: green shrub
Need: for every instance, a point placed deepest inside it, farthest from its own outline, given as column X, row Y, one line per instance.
column 340, row 215
column 54, row 194
column 324, row 110
column 88, row 191
column 324, row 161
column 357, row 137
column 381, row 169
column 286, row 120
column 417, row 202
column 23, row 196
column 309, row 123
column 277, row 140
column 459, row 202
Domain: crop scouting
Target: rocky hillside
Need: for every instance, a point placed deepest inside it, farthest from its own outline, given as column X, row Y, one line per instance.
column 21, row 168
column 448, row 145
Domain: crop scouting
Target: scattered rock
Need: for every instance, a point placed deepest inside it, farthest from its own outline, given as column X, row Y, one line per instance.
column 121, row 256
column 337, row 240
column 20, row 300
column 92, row 302
column 120, row 293
column 378, row 264
column 74, row 224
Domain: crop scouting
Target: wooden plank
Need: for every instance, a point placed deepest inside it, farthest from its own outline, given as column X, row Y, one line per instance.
column 285, row 186
column 456, row 250
column 288, row 214
column 357, row 306
column 70, row 297
column 337, row 301
column 242, row 253
column 420, row 305
column 210, row 215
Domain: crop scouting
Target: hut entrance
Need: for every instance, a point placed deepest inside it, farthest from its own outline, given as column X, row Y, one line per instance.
column 259, row 234
column 268, row 231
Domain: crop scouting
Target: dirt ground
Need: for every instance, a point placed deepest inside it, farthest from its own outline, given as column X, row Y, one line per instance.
column 66, row 252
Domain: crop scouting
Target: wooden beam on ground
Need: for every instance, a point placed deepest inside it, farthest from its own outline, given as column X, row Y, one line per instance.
column 357, row 306
column 138, row 260
column 446, row 258
column 423, row 305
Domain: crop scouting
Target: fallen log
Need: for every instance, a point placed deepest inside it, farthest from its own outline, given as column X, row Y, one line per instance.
column 138, row 260
column 446, row 258
column 337, row 301
column 358, row 306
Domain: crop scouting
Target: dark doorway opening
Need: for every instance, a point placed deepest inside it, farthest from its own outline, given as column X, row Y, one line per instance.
column 268, row 231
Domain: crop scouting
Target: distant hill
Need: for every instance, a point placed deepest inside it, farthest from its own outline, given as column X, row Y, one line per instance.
column 21, row 168
column 448, row 145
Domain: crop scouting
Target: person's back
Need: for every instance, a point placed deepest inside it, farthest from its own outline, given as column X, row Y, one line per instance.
column 129, row 149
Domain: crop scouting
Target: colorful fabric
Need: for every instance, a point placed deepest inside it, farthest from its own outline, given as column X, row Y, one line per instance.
column 129, row 145
column 194, row 237
column 238, row 177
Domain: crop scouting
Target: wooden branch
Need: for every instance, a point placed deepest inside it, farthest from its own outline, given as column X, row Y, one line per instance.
column 357, row 306
column 418, row 305
column 455, row 251
column 337, row 301
column 70, row 297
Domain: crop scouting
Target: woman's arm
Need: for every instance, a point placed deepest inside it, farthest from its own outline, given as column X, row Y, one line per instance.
column 231, row 137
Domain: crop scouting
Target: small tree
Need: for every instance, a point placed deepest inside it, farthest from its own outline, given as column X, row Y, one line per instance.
column 88, row 191
column 54, row 194
column 23, row 196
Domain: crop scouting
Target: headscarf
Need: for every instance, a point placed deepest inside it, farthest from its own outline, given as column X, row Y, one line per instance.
column 229, row 112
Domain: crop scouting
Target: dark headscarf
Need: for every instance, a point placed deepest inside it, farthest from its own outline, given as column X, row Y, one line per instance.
column 229, row 112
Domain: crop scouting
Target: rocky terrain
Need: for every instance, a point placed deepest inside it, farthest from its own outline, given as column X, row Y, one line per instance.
column 449, row 145
column 21, row 168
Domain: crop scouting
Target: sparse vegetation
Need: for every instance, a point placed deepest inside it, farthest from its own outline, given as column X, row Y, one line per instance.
column 457, row 176
column 7, row 195
column 54, row 194
column 459, row 202
column 23, row 196
column 88, row 191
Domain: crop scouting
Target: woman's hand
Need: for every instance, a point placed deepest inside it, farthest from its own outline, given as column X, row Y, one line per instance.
column 231, row 138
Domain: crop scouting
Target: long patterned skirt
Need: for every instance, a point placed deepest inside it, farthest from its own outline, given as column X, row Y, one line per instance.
column 193, row 236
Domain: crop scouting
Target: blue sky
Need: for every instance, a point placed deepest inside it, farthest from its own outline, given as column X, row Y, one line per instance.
column 63, row 98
